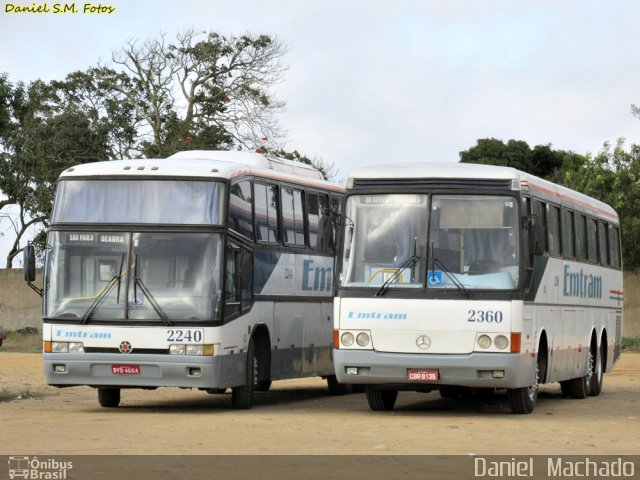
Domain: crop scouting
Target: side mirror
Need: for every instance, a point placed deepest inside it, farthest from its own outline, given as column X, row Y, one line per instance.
column 538, row 241
column 325, row 241
column 29, row 259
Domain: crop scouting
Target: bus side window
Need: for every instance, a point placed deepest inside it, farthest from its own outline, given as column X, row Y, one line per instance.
column 592, row 240
column 614, row 246
column 238, row 280
column 581, row 236
column 539, row 210
column 316, row 204
column 553, row 230
column 568, row 249
column 266, row 205
column 603, row 245
column 240, row 214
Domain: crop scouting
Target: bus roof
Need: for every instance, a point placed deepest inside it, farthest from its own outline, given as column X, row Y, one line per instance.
column 520, row 180
column 203, row 164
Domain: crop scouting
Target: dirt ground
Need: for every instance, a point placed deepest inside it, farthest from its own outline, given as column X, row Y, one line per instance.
column 300, row 417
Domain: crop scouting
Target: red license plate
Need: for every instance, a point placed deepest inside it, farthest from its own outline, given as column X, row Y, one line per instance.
column 125, row 369
column 422, row 375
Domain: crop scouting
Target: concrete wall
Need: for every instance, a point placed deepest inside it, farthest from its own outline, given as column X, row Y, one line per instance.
column 21, row 307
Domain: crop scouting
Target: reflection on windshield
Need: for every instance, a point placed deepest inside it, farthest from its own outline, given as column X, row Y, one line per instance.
column 472, row 243
column 385, row 232
column 475, row 239
column 88, row 273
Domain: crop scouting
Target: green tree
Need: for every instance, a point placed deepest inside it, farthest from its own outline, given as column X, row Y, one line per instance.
column 41, row 137
column 204, row 90
column 541, row 160
column 613, row 176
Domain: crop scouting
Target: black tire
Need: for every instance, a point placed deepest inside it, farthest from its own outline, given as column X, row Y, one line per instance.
column 523, row 400
column 566, row 388
column 337, row 388
column 581, row 386
column 109, row 397
column 263, row 385
column 381, row 400
column 598, row 373
column 242, row 396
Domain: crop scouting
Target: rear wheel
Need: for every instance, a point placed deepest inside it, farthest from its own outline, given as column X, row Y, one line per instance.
column 109, row 397
column 242, row 396
column 581, row 386
column 598, row 373
column 381, row 400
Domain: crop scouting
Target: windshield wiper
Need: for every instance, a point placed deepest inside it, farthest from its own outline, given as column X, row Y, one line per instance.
column 461, row 288
column 137, row 282
column 408, row 263
column 116, row 279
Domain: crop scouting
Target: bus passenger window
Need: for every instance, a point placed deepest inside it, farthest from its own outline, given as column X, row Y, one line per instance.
column 592, row 240
column 567, row 234
column 240, row 217
column 266, row 204
column 553, row 230
column 603, row 245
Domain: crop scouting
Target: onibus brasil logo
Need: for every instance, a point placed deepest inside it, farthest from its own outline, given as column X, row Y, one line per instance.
column 33, row 468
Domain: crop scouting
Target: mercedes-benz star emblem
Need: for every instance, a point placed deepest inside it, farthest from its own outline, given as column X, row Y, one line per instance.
column 423, row 342
column 125, row 347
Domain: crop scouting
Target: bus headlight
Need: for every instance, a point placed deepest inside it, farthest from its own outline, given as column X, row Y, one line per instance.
column 60, row 347
column 177, row 349
column 347, row 339
column 76, row 347
column 194, row 350
column 363, row 339
column 501, row 342
column 484, row 341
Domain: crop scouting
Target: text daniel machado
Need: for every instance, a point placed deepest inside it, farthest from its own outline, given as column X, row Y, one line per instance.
column 570, row 467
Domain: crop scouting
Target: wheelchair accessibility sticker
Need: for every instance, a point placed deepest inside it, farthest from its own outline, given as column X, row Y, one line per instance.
column 434, row 279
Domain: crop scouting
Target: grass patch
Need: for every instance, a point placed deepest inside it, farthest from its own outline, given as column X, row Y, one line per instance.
column 7, row 395
column 631, row 344
column 22, row 342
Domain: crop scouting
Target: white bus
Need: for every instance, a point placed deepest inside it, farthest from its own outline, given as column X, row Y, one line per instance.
column 471, row 278
column 208, row 270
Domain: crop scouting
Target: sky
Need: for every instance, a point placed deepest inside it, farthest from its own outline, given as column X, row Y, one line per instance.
column 384, row 81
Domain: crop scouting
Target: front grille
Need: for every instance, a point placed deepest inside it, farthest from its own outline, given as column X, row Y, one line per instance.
column 134, row 351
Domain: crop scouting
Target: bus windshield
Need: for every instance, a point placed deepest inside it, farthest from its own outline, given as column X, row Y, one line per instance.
column 156, row 277
column 177, row 202
column 459, row 242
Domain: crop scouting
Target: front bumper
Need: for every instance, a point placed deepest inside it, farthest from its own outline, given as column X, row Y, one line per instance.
column 474, row 370
column 155, row 370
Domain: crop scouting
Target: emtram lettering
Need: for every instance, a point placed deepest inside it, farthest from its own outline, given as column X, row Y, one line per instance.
column 581, row 285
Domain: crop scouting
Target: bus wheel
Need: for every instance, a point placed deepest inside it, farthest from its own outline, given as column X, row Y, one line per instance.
column 565, row 386
column 242, row 396
column 263, row 385
column 598, row 373
column 523, row 400
column 337, row 388
column 381, row 400
column 581, row 386
column 109, row 397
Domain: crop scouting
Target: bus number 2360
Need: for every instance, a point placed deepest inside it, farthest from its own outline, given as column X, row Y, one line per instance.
column 485, row 316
